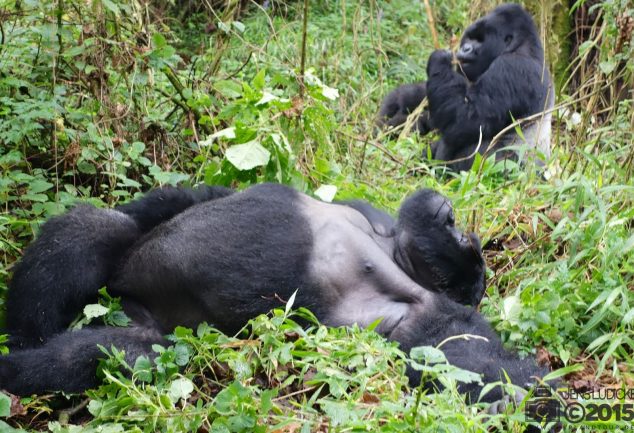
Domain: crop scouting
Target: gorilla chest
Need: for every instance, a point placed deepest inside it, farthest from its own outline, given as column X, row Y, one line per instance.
column 352, row 272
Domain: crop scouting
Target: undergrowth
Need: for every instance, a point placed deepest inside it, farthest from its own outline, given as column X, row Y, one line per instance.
column 102, row 100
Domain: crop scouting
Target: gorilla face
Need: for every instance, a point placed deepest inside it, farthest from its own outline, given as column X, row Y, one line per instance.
column 479, row 47
column 430, row 248
column 491, row 36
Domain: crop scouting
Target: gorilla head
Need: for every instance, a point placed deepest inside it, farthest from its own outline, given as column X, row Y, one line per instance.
column 430, row 248
column 502, row 31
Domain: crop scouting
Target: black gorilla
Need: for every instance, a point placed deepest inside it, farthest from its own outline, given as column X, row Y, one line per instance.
column 502, row 77
column 223, row 257
column 400, row 103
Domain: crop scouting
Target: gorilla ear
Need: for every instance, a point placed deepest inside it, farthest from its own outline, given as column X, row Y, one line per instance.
column 508, row 39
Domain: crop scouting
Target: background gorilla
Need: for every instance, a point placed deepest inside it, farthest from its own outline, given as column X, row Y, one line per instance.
column 225, row 260
column 400, row 103
column 503, row 58
column 502, row 76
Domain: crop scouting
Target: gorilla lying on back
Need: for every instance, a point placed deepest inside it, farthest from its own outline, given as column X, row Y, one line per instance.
column 501, row 77
column 180, row 257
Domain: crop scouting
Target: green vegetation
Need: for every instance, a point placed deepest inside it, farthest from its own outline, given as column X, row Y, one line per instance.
column 104, row 99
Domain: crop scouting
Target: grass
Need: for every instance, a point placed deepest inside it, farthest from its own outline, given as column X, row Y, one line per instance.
column 559, row 247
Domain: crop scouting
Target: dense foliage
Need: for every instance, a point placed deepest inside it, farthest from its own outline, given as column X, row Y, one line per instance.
column 103, row 99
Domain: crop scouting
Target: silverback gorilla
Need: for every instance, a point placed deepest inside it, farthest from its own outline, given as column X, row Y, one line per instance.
column 501, row 77
column 180, row 257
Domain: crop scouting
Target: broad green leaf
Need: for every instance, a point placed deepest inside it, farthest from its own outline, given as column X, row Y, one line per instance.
column 248, row 155
column 111, row 6
column 5, row 405
column 238, row 26
column 330, row 92
column 158, row 40
column 429, row 354
column 95, row 310
column 326, row 192
column 259, row 80
column 607, row 67
column 229, row 133
column 511, row 309
column 228, row 88
column 181, row 389
column 266, row 97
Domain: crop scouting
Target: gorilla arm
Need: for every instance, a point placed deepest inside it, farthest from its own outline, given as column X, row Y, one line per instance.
column 441, row 323
column 459, row 109
column 359, row 283
column 162, row 204
column 63, row 270
column 382, row 223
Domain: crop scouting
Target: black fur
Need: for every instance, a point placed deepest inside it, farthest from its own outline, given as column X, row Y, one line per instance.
column 400, row 103
column 431, row 249
column 162, row 204
column 226, row 260
column 426, row 222
column 75, row 256
column 503, row 77
column 381, row 222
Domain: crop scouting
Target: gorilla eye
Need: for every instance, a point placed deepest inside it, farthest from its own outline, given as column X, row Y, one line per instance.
column 508, row 39
column 451, row 219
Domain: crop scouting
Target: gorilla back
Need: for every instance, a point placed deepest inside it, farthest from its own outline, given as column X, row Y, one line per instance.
column 228, row 259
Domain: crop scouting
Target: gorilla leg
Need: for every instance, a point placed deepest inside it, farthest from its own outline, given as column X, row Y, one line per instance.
column 69, row 360
column 64, row 268
column 75, row 255
column 162, row 204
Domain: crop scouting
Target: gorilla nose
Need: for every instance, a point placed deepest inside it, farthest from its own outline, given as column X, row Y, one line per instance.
column 465, row 49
